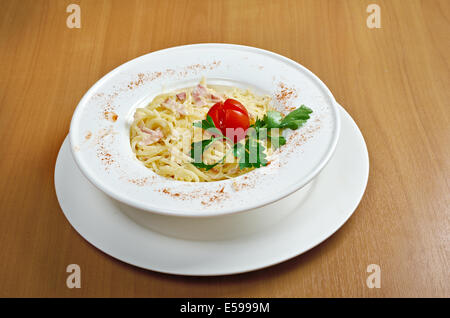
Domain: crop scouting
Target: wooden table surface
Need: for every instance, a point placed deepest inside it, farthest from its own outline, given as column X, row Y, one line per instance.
column 394, row 81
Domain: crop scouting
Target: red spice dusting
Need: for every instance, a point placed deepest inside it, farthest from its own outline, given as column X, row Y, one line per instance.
column 102, row 150
column 111, row 116
column 290, row 108
column 143, row 78
column 210, row 196
column 108, row 109
column 139, row 181
column 107, row 158
column 285, row 93
column 300, row 137
column 174, row 194
column 238, row 186
column 242, row 183
column 215, row 197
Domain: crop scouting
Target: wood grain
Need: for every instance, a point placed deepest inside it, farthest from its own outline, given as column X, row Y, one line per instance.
column 394, row 81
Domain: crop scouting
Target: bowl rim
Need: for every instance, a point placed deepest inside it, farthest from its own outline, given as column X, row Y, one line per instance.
column 117, row 195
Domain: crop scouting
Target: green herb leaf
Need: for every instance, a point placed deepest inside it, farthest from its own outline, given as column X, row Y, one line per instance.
column 240, row 153
column 239, row 150
column 251, row 148
column 251, row 154
column 197, row 150
column 273, row 119
column 262, row 158
column 208, row 124
column 277, row 141
column 296, row 118
column 259, row 123
column 262, row 133
column 293, row 120
column 205, row 166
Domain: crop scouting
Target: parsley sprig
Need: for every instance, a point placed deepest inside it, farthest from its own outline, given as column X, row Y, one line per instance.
column 251, row 152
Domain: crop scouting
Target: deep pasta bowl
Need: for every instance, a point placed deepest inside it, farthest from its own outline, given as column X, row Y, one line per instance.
column 100, row 129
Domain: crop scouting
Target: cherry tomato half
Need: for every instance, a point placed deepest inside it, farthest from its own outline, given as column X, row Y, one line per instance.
column 231, row 118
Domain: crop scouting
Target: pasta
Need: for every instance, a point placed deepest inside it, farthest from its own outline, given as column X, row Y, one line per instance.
column 162, row 133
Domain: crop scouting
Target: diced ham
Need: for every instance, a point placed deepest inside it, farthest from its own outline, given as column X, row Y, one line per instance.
column 216, row 98
column 150, row 136
column 148, row 130
column 199, row 92
column 181, row 96
column 174, row 106
column 199, row 101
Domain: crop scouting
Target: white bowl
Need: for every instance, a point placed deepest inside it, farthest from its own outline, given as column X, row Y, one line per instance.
column 101, row 147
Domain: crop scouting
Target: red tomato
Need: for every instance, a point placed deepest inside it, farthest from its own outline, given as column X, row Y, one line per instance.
column 217, row 114
column 231, row 118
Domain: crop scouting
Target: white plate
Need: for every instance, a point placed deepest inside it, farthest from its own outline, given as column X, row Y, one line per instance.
column 334, row 195
column 107, row 160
